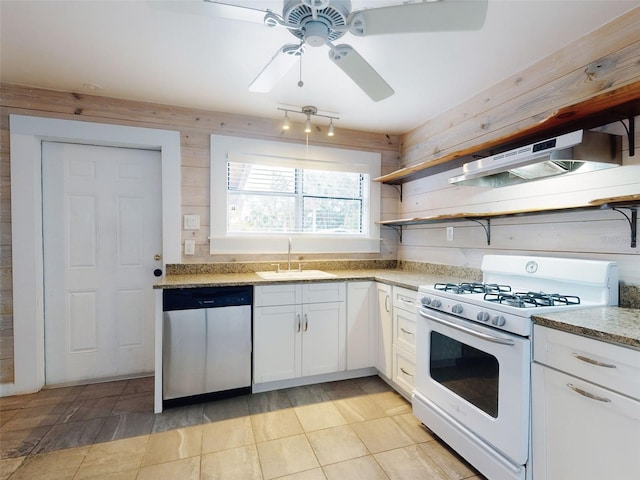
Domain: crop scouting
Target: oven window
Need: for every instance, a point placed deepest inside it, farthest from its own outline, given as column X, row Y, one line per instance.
column 468, row 372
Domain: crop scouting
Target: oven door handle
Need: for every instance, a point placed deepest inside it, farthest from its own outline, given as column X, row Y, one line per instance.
column 483, row 336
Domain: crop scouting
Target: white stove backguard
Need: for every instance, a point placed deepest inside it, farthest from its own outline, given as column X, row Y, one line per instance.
column 594, row 281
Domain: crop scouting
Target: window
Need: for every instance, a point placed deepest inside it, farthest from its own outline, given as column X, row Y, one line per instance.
column 264, row 192
column 265, row 199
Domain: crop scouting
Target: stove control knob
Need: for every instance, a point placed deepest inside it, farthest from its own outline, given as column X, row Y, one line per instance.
column 498, row 320
column 425, row 300
column 483, row 316
column 457, row 308
column 435, row 303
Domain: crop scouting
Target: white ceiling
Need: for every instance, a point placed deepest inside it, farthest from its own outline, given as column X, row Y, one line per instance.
column 130, row 49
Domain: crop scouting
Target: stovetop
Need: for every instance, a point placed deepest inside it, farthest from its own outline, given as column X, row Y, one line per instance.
column 516, row 287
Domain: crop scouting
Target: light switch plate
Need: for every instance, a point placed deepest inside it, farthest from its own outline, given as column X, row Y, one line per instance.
column 449, row 234
column 189, row 247
column 192, row 222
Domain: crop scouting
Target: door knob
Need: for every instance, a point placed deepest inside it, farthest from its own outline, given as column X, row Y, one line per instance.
column 157, row 272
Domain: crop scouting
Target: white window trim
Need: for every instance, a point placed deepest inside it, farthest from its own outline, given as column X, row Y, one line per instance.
column 240, row 149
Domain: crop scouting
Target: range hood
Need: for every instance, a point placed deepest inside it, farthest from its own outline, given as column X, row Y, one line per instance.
column 575, row 152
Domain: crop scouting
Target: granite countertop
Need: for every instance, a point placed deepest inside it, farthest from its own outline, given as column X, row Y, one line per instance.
column 403, row 278
column 609, row 324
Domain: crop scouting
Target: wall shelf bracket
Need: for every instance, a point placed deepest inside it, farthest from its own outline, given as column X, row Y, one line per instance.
column 487, row 227
column 633, row 222
column 398, row 187
column 631, row 129
column 397, row 229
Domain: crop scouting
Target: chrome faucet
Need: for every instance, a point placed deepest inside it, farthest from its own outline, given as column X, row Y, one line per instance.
column 289, row 256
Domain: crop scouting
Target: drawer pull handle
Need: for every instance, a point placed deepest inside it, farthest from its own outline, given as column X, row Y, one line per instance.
column 587, row 394
column 593, row 362
column 406, row 331
column 409, row 302
column 405, row 372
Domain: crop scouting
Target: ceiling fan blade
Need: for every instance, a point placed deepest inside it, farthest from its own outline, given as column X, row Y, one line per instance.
column 359, row 70
column 211, row 8
column 236, row 12
column 441, row 16
column 278, row 66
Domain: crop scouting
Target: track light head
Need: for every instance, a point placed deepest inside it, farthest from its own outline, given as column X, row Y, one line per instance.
column 309, row 111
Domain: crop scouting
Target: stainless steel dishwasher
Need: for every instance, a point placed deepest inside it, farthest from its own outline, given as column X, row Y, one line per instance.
column 206, row 343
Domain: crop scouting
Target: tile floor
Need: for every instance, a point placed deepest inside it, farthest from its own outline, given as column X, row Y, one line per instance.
column 354, row 429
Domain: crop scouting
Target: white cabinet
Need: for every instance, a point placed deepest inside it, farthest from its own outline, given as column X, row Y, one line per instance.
column 404, row 338
column 298, row 330
column 362, row 325
column 586, row 408
column 384, row 357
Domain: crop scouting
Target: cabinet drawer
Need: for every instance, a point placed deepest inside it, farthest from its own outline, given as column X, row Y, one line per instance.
column 404, row 330
column 279, row 294
column 611, row 366
column 295, row 293
column 324, row 292
column 404, row 368
column 405, row 299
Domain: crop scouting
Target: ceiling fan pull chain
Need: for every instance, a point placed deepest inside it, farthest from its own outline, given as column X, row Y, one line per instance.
column 300, row 82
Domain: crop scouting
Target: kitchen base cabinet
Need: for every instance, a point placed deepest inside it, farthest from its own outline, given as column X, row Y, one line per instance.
column 299, row 339
column 582, row 427
column 404, row 339
column 362, row 325
column 384, row 357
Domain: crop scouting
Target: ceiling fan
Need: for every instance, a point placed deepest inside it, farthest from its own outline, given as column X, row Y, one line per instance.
column 316, row 23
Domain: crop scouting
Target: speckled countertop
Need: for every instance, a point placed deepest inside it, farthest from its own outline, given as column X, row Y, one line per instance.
column 609, row 324
column 402, row 278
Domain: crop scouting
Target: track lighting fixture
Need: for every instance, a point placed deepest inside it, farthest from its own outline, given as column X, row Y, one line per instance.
column 309, row 111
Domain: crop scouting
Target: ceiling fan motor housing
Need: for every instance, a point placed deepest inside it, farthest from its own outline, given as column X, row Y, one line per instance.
column 322, row 29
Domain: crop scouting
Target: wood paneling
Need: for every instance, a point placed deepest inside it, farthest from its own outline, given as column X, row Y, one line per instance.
column 595, row 234
column 604, row 60
column 195, row 127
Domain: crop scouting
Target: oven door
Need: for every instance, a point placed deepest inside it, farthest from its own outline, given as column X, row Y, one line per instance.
column 477, row 375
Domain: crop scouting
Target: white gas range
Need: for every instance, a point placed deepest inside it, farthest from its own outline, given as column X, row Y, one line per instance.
column 473, row 352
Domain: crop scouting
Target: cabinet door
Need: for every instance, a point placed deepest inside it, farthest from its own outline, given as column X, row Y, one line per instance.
column 575, row 436
column 362, row 325
column 276, row 343
column 385, row 330
column 323, row 338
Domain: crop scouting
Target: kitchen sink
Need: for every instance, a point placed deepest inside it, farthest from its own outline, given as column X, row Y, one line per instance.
column 295, row 275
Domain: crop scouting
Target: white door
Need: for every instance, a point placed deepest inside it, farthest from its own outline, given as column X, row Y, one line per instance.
column 102, row 241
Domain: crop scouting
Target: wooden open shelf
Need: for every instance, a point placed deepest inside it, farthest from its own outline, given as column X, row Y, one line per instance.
column 629, row 202
column 619, row 104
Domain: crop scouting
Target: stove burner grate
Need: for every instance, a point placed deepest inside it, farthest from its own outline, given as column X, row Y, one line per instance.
column 532, row 299
column 470, row 287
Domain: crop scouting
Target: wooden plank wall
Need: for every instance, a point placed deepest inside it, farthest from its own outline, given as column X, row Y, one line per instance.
column 195, row 127
column 592, row 234
column 607, row 58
